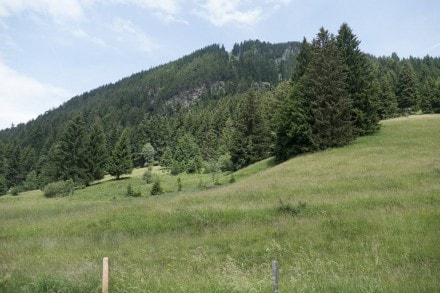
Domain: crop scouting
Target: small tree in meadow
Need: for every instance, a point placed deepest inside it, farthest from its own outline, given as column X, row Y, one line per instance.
column 179, row 184
column 120, row 160
column 131, row 193
column 156, row 189
column 148, row 176
column 148, row 153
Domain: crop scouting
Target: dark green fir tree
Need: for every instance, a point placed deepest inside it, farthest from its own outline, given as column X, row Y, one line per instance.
column 326, row 91
column 120, row 161
column 71, row 159
column 359, row 81
column 251, row 137
column 97, row 151
column 407, row 89
column 293, row 131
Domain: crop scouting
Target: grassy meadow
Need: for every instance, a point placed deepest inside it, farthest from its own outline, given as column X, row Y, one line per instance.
column 362, row 218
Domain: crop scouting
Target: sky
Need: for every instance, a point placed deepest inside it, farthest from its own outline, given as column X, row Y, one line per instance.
column 53, row 50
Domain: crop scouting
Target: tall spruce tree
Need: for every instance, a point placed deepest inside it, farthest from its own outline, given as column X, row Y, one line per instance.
column 72, row 154
column 251, row 137
column 97, row 154
column 326, row 91
column 407, row 90
column 302, row 60
column 293, row 131
column 120, row 160
column 359, row 81
column 388, row 102
column 187, row 154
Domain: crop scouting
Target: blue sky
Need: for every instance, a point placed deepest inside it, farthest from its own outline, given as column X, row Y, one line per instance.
column 52, row 50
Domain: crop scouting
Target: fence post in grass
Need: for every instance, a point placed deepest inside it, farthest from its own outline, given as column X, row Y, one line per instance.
column 275, row 276
column 105, row 275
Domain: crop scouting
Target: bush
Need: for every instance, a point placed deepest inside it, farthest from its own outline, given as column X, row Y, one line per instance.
column 225, row 163
column 31, row 182
column 176, row 168
column 156, row 189
column 148, row 176
column 292, row 210
column 131, row 192
column 179, row 184
column 15, row 190
column 59, row 188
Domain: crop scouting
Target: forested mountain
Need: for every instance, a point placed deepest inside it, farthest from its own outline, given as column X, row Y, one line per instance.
column 222, row 109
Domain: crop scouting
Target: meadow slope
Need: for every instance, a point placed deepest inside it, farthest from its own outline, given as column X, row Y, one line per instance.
column 361, row 218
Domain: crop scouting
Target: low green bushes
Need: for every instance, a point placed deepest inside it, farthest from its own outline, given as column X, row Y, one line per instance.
column 59, row 188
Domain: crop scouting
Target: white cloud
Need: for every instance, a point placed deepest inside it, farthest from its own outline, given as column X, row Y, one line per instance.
column 242, row 13
column 277, row 4
column 223, row 12
column 23, row 98
column 132, row 35
column 60, row 10
column 81, row 34
column 169, row 7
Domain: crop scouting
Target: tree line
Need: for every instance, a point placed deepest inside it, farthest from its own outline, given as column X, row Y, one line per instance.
column 257, row 102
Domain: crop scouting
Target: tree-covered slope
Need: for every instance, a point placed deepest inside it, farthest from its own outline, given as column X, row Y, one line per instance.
column 222, row 109
column 211, row 72
column 362, row 218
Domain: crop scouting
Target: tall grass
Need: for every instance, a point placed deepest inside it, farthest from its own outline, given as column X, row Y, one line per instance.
column 369, row 221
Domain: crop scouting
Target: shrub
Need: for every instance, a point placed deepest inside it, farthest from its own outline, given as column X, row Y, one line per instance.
column 59, row 188
column 15, row 190
column 148, row 176
column 156, row 189
column 31, row 182
column 289, row 209
column 225, row 163
column 176, row 168
column 232, row 179
column 179, row 184
column 194, row 165
column 131, row 192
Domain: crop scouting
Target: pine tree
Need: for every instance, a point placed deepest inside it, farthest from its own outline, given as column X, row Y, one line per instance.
column 251, row 138
column 12, row 165
column 359, row 80
column 388, row 101
column 3, row 185
column 97, row 154
column 156, row 189
column 407, row 91
column 167, row 158
column 187, row 154
column 120, row 160
column 147, row 153
column 50, row 172
column 325, row 86
column 435, row 100
column 302, row 60
column 72, row 154
column 293, row 132
column 428, row 96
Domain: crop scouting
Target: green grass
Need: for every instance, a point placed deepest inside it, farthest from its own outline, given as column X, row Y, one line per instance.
column 370, row 223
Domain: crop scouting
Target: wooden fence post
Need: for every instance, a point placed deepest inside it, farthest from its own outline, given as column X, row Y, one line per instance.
column 105, row 275
column 275, row 276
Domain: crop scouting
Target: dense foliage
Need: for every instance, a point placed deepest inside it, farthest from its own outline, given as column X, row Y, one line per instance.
column 219, row 108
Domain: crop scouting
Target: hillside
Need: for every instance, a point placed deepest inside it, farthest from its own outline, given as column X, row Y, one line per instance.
column 220, row 109
column 360, row 218
column 209, row 73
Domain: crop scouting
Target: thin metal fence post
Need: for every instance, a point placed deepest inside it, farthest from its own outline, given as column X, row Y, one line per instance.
column 275, row 276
